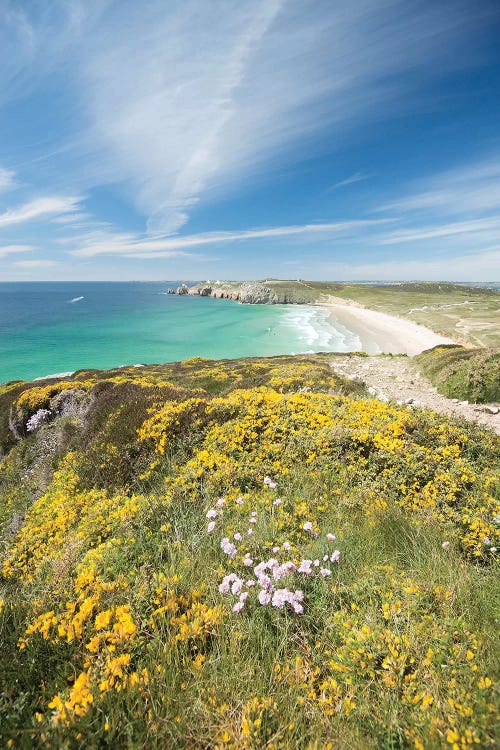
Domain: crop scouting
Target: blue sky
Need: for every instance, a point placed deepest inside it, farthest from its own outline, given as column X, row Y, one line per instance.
column 345, row 139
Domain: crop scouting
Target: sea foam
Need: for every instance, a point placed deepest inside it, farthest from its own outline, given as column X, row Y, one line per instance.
column 315, row 329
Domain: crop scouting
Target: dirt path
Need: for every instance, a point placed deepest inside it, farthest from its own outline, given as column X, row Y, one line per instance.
column 397, row 379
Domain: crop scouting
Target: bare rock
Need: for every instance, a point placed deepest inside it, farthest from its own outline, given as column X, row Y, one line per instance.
column 183, row 289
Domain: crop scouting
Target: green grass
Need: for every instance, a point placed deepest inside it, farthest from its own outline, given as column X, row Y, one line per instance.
column 466, row 374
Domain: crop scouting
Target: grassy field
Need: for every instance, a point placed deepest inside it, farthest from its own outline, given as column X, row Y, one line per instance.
column 243, row 554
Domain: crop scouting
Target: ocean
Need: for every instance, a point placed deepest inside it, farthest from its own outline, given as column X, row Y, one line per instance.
column 60, row 327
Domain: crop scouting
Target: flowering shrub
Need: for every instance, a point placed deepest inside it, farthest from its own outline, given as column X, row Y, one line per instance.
column 300, row 568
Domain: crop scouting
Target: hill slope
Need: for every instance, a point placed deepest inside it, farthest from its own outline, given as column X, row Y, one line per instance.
column 243, row 554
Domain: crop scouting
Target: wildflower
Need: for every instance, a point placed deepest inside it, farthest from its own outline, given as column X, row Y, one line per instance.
column 211, row 527
column 236, row 586
column 278, row 501
column 250, row 532
column 264, row 597
column 330, row 537
column 325, row 558
column 272, row 485
column 238, row 537
column 250, row 583
column 325, row 572
column 239, row 501
column 276, row 550
column 247, row 560
column 220, row 503
column 316, row 563
column 241, row 603
column 227, row 582
column 265, row 583
column 445, row 545
column 305, row 567
column 252, row 520
column 228, row 548
column 486, row 541
column 307, row 526
column 493, row 549
column 335, row 557
column 287, row 546
column 211, row 513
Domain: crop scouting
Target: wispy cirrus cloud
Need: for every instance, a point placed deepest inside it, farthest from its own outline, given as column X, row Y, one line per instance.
column 7, row 179
column 14, row 249
column 474, row 227
column 356, row 177
column 40, row 263
column 189, row 108
column 39, row 208
column 472, row 188
column 109, row 243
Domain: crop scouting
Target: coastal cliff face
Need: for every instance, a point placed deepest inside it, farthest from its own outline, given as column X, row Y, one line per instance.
column 248, row 293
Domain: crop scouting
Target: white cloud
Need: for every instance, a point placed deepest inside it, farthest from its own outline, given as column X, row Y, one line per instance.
column 356, row 177
column 198, row 96
column 474, row 226
column 38, row 208
column 7, row 181
column 35, row 263
column 109, row 243
column 470, row 189
column 14, row 249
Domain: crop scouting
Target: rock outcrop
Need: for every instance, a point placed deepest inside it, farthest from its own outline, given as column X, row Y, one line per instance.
column 183, row 289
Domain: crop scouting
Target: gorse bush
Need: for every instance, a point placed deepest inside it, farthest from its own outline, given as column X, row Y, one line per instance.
column 247, row 555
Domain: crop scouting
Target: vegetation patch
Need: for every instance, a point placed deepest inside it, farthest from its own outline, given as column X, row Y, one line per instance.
column 246, row 554
column 471, row 374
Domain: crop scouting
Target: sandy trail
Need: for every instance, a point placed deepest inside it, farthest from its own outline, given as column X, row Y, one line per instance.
column 397, row 379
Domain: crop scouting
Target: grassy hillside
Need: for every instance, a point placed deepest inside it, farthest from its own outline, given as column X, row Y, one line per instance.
column 472, row 374
column 243, row 554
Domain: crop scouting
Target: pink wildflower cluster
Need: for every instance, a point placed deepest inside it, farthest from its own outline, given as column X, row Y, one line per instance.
column 267, row 573
column 270, row 483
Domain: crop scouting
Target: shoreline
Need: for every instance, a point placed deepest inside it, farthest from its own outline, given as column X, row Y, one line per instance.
column 381, row 333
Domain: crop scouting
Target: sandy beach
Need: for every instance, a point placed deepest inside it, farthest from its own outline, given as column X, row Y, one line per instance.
column 381, row 333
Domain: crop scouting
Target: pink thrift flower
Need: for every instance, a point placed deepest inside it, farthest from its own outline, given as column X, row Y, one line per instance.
column 264, row 597
column 211, row 513
column 220, row 502
column 335, row 556
column 211, row 527
column 238, row 537
column 239, row 501
column 330, row 537
column 287, row 546
column 307, row 526
column 445, row 545
column 250, row 532
column 277, row 501
column 325, row 572
column 247, row 561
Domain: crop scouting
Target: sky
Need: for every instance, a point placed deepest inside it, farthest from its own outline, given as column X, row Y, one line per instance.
column 221, row 139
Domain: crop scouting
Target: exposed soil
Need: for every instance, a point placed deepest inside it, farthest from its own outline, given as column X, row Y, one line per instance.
column 398, row 379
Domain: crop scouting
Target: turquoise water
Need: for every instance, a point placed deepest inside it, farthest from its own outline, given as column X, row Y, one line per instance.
column 48, row 328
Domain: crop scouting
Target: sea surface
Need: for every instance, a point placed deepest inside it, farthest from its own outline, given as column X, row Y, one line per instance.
column 48, row 328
